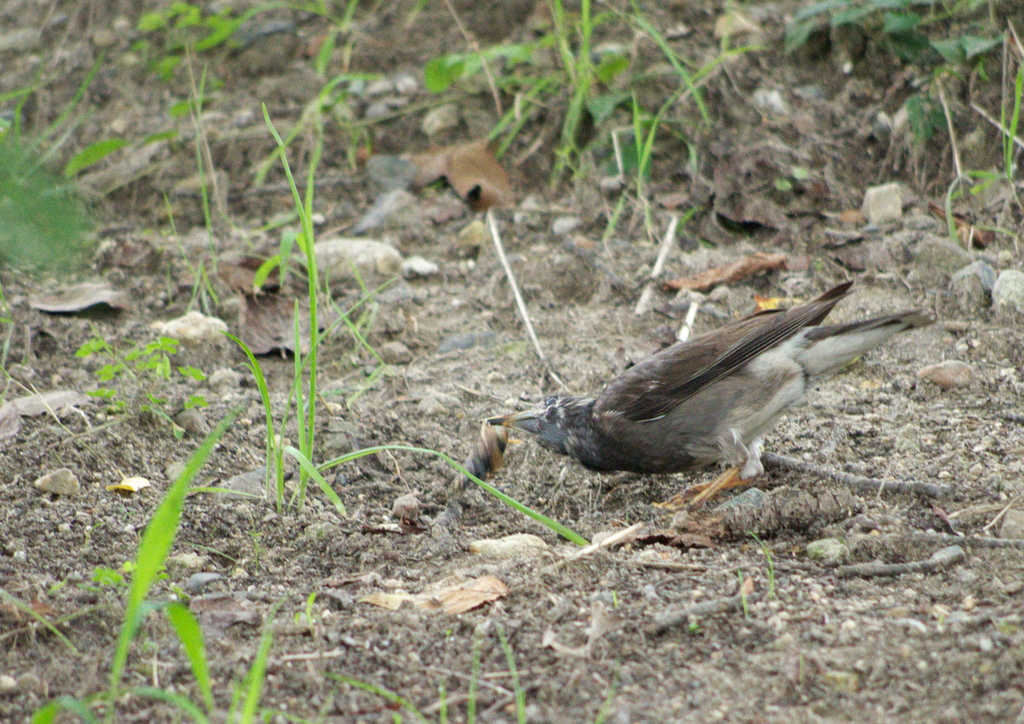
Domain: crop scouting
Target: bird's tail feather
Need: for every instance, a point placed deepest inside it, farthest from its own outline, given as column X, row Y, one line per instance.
column 833, row 347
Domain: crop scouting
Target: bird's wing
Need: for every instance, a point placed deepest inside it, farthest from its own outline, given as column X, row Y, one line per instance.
column 652, row 388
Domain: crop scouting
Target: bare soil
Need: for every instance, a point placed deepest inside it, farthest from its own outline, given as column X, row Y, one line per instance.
column 810, row 646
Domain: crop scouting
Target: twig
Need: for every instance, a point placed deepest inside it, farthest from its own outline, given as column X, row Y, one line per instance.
column 939, row 560
column 496, row 238
column 312, row 656
column 614, row 539
column 691, row 315
column 644, row 303
column 475, row 47
column 858, row 482
column 981, row 112
column 681, row 617
column 999, row 516
column 952, row 135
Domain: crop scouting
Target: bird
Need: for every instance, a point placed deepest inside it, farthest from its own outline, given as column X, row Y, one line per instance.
column 710, row 399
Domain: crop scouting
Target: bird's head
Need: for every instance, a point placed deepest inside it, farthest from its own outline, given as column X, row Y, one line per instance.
column 559, row 424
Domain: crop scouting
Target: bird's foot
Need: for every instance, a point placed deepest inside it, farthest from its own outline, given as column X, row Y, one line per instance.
column 697, row 494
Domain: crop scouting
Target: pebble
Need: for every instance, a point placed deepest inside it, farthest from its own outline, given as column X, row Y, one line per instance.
column 336, row 257
column 437, row 404
column 1012, row 525
column 225, row 378
column 1008, row 292
column 564, row 224
column 8, row 685
column 980, row 269
column 948, row 375
column 406, row 506
column 395, row 353
column 249, row 484
column 198, row 581
column 770, row 100
column 386, row 209
column 20, row 40
column 440, row 119
column 882, row 203
column 467, row 340
column 935, row 259
column 844, row 681
column 193, row 327
column 518, row 545
column 417, row 266
column 59, row 482
column 192, row 422
column 829, row 551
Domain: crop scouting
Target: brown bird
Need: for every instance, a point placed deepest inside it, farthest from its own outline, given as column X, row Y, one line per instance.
column 711, row 399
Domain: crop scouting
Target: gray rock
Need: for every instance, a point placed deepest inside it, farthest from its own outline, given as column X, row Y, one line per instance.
column 59, row 482
column 882, row 203
column 829, row 551
column 250, row 484
column 467, row 340
column 440, row 119
column 752, row 499
column 391, row 172
column 395, row 353
column 564, row 224
column 1013, row 525
column 1008, row 292
column 20, row 40
column 949, row 374
column 192, row 422
column 198, row 581
column 8, row 685
column 980, row 269
column 336, row 258
column 224, row 379
column 935, row 259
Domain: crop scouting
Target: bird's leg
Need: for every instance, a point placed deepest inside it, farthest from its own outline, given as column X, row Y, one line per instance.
column 731, row 478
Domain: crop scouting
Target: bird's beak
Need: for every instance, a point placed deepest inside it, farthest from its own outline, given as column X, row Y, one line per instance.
column 527, row 421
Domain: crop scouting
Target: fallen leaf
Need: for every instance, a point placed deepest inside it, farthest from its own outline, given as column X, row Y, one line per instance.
column 80, row 297
column 240, row 274
column 57, row 400
column 470, row 168
column 266, row 323
column 764, row 304
column 758, row 263
column 457, row 598
column 192, row 327
column 130, row 485
column 969, row 234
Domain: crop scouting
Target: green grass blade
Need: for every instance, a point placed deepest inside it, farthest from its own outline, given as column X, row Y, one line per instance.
column 510, row 658
column 154, row 547
column 191, row 637
column 511, row 502
column 315, row 474
column 29, row 611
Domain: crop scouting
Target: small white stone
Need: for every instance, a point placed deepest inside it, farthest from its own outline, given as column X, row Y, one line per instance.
column 59, row 482
column 882, row 203
column 417, row 266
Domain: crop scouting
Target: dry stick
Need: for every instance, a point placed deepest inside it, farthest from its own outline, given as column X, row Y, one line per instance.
column 999, row 516
column 981, row 112
column 939, row 560
column 858, row 482
column 681, row 617
column 496, row 238
column 691, row 315
column 614, row 539
column 644, row 303
column 956, row 165
column 475, row 47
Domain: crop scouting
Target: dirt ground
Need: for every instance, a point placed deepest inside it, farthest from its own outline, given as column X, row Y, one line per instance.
column 811, row 644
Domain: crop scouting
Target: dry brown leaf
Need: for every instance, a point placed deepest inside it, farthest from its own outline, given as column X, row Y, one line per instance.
column 266, row 323
column 80, row 297
column 240, row 274
column 470, row 168
column 217, row 611
column 457, row 598
column 968, row 233
column 749, row 266
column 36, row 405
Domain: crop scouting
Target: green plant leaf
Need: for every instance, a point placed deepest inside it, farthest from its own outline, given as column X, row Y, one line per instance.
column 601, row 106
column 900, row 22
column 910, row 46
column 797, row 34
column 152, row 21
column 315, row 474
column 440, row 73
column 93, row 153
column 974, row 46
column 260, row 277
column 951, row 50
column 610, row 67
